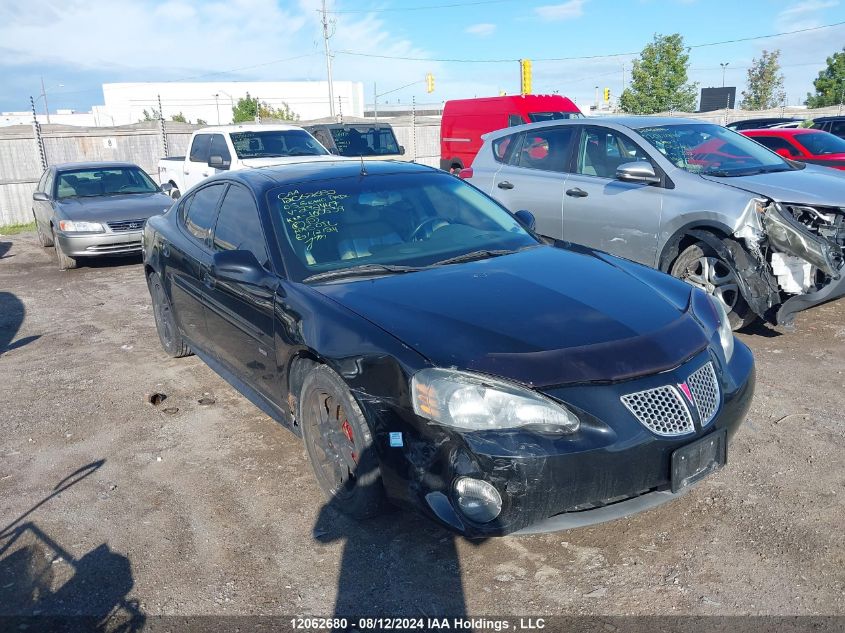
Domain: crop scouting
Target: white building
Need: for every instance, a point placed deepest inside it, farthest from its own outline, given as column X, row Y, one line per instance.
column 212, row 102
column 61, row 117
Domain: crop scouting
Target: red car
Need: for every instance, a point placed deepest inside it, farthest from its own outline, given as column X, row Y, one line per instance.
column 804, row 145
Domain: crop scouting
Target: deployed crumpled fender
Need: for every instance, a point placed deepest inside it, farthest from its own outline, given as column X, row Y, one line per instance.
column 758, row 287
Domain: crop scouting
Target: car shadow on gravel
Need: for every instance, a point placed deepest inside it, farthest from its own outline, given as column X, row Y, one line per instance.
column 109, row 262
column 44, row 587
column 12, row 313
column 397, row 564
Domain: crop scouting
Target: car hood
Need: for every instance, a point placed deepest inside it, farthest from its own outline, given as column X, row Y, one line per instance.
column 811, row 185
column 288, row 160
column 546, row 316
column 113, row 208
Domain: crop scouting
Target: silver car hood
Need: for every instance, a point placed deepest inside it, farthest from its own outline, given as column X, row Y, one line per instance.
column 113, row 208
column 812, row 185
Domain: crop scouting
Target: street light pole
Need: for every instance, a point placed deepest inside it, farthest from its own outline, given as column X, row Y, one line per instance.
column 724, row 68
column 44, row 94
column 217, row 105
column 328, row 59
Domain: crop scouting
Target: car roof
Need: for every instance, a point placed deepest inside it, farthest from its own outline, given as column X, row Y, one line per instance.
column 265, row 178
column 783, row 131
column 247, row 127
column 94, row 164
column 631, row 122
column 829, row 118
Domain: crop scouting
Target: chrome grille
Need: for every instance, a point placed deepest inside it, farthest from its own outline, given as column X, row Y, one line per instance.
column 705, row 391
column 661, row 410
column 126, row 225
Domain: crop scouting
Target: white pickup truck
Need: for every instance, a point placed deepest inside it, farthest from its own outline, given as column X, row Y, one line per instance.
column 230, row 147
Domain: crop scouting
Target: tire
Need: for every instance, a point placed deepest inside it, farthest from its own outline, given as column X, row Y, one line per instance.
column 65, row 262
column 339, row 445
column 43, row 239
column 168, row 331
column 700, row 266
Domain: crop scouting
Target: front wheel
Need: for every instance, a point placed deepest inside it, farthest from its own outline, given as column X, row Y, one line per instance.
column 65, row 261
column 340, row 445
column 168, row 332
column 700, row 266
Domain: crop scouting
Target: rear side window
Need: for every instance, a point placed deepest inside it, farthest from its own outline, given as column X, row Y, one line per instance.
column 838, row 128
column 503, row 147
column 200, row 148
column 546, row 149
column 238, row 225
column 199, row 211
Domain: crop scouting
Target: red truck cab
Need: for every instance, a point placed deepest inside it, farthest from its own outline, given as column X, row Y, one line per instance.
column 465, row 120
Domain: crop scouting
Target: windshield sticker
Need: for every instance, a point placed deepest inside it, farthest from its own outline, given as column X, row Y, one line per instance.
column 307, row 213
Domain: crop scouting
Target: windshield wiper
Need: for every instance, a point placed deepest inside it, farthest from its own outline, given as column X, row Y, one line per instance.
column 473, row 256
column 362, row 270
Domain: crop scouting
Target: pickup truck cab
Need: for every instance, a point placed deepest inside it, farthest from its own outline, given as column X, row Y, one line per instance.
column 235, row 147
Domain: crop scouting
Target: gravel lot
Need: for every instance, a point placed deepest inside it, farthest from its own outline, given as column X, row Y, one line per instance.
column 189, row 508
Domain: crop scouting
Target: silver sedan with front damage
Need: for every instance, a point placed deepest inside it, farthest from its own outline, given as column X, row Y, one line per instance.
column 94, row 209
column 762, row 233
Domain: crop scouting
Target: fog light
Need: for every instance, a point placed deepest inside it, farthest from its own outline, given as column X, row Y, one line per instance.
column 478, row 500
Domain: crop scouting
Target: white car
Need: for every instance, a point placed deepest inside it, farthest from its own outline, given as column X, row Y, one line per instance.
column 235, row 147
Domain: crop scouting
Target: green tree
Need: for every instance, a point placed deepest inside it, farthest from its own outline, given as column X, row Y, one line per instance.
column 202, row 122
column 659, row 79
column 179, row 118
column 247, row 107
column 153, row 115
column 765, row 83
column 830, row 84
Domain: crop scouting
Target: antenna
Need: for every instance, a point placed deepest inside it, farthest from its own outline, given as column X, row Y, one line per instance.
column 363, row 167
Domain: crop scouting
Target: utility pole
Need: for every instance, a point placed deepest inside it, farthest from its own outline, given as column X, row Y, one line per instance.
column 44, row 94
column 328, row 59
column 623, row 78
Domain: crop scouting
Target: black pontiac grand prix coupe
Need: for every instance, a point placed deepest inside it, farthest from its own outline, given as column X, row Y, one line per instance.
column 431, row 351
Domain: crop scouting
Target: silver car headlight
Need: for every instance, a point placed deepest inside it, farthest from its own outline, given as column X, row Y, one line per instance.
column 473, row 402
column 726, row 335
column 77, row 226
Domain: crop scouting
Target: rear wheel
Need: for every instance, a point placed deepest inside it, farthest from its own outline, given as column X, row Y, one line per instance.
column 700, row 266
column 168, row 332
column 340, row 445
column 65, row 261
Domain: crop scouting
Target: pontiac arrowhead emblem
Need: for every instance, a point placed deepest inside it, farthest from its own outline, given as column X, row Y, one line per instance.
column 685, row 388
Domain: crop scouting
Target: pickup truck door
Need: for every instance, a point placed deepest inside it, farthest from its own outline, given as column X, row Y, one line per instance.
column 240, row 316
column 195, row 168
column 187, row 262
column 535, row 176
column 621, row 218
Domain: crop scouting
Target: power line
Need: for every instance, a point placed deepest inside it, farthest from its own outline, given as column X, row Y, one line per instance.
column 580, row 57
column 422, row 8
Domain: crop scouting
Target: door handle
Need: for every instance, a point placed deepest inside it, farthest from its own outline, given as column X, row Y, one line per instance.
column 505, row 185
column 576, row 192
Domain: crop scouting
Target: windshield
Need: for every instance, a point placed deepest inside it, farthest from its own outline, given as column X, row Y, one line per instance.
column 362, row 141
column 708, row 149
column 537, row 117
column 821, row 143
column 274, row 143
column 84, row 183
column 393, row 219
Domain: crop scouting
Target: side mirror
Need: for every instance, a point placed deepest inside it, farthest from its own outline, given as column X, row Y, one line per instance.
column 526, row 219
column 218, row 163
column 166, row 187
column 237, row 266
column 40, row 196
column 401, row 150
column 637, row 171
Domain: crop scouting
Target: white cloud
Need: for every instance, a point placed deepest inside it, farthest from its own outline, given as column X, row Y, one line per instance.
column 804, row 14
column 484, row 29
column 564, row 11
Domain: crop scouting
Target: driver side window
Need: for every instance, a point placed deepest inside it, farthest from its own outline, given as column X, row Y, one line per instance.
column 601, row 151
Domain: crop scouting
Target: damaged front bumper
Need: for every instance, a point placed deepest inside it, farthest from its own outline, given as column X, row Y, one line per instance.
column 612, row 467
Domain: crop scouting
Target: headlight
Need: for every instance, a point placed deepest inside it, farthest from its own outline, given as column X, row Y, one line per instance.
column 473, row 402
column 726, row 335
column 75, row 226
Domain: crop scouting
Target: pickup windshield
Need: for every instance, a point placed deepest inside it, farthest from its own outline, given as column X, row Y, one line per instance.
column 86, row 183
column 365, row 141
column 274, row 143
column 712, row 150
column 388, row 223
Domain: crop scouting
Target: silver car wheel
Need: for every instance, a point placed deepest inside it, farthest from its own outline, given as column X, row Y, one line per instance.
column 713, row 276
